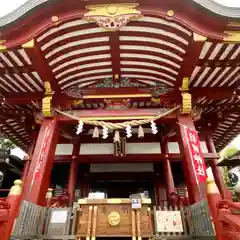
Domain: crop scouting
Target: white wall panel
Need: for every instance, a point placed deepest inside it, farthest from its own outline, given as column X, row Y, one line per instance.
column 143, row 148
column 203, row 147
column 122, row 167
column 96, row 149
column 64, row 149
column 173, row 147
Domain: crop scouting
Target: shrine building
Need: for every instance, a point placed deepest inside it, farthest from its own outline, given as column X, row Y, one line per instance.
column 120, row 100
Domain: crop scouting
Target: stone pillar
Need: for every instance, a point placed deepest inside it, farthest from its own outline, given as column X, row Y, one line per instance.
column 38, row 177
column 218, row 176
column 188, row 166
column 167, row 170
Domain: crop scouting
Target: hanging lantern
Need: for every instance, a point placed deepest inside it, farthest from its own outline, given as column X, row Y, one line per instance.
column 140, row 132
column 116, row 137
column 95, row 133
column 105, row 133
column 154, row 127
column 128, row 131
column 79, row 127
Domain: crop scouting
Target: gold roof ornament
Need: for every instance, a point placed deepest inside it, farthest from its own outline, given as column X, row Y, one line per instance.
column 2, row 47
column 232, row 37
column 112, row 16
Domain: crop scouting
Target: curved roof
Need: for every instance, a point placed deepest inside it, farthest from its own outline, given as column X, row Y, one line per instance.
column 214, row 6
column 155, row 50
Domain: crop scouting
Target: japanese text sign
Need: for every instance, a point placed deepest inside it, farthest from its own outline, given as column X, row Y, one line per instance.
column 196, row 155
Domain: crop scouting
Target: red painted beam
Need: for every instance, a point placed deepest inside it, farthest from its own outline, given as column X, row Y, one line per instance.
column 117, row 114
column 190, row 60
column 216, row 93
column 108, row 158
column 115, row 54
column 41, row 66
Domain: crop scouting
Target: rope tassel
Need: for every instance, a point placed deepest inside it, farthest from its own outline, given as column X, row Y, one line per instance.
column 140, row 132
column 95, row 133
column 116, row 137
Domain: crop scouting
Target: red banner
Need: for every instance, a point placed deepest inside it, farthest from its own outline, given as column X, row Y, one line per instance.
column 196, row 155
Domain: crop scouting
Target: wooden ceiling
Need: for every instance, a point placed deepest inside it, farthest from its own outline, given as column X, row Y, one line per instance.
column 155, row 51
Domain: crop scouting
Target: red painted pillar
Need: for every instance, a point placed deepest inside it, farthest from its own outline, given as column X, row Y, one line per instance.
column 167, row 170
column 188, row 166
column 38, row 178
column 25, row 169
column 73, row 172
column 214, row 198
column 218, row 177
column 13, row 199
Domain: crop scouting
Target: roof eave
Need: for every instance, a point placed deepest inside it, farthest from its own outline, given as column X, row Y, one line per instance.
column 216, row 8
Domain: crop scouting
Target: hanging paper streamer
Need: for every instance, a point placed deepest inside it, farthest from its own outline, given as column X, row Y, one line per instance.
column 128, row 131
column 140, row 132
column 154, row 127
column 105, row 133
column 116, row 137
column 79, row 127
column 95, row 133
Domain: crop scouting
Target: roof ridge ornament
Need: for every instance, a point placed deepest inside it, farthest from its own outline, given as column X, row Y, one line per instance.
column 112, row 16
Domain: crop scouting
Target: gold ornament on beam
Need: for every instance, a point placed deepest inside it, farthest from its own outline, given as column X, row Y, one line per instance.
column 186, row 103
column 199, row 38
column 232, row 37
column 47, row 100
column 2, row 47
column 112, row 16
column 186, row 97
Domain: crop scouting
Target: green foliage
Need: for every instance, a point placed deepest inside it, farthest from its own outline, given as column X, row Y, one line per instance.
column 6, row 144
column 228, row 152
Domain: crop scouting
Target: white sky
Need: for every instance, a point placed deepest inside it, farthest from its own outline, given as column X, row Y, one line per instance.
column 11, row 5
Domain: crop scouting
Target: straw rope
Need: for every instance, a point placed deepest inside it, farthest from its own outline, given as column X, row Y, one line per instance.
column 121, row 125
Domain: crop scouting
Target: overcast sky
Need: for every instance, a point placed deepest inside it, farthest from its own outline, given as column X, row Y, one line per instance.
column 11, row 5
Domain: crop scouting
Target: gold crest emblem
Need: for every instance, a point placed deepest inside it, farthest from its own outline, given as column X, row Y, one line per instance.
column 114, row 219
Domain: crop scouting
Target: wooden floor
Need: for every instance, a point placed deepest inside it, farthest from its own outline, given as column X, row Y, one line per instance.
column 73, row 237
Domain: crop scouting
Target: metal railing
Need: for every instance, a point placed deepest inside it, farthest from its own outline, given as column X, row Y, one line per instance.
column 202, row 224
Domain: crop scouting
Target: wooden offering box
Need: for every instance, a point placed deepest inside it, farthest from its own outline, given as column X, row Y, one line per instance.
column 114, row 218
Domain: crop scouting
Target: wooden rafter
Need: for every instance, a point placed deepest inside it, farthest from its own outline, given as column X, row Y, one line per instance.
column 115, row 54
column 191, row 58
column 10, row 129
column 227, row 131
column 40, row 64
column 16, row 70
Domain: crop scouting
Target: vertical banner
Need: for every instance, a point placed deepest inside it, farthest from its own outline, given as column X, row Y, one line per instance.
column 196, row 155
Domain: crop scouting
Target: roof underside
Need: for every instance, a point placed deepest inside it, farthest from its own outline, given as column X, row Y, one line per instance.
column 148, row 52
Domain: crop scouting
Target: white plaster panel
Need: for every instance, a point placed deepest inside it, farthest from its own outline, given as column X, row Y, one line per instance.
column 203, row 146
column 173, row 147
column 143, row 148
column 64, row 149
column 122, row 167
column 96, row 149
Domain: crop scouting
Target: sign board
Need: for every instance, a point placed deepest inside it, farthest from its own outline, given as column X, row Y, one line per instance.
column 169, row 221
column 136, row 203
column 59, row 216
column 196, row 155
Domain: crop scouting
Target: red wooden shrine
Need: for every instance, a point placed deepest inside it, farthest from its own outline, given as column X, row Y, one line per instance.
column 152, row 83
